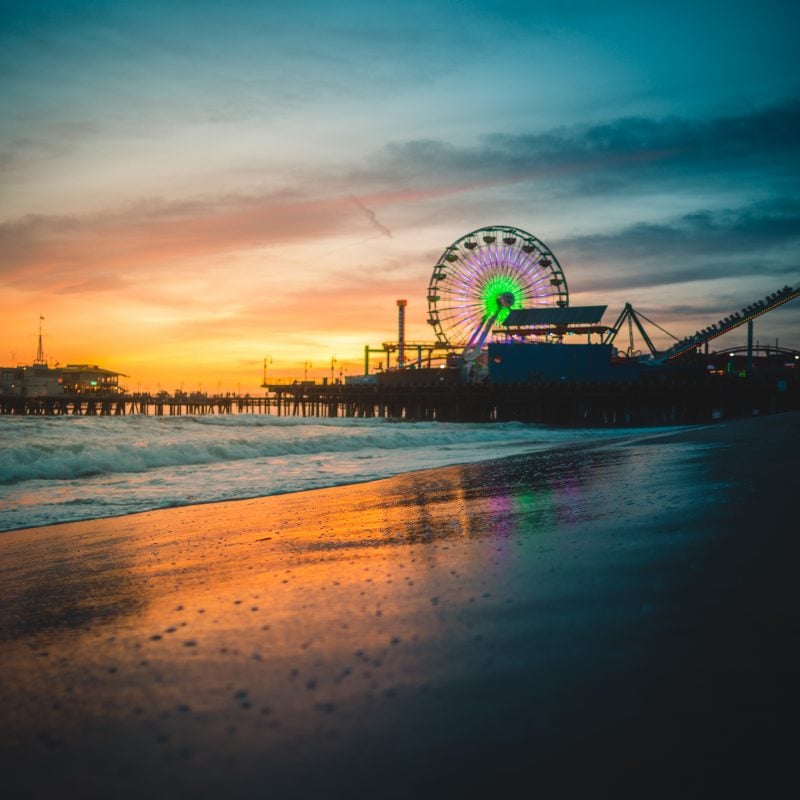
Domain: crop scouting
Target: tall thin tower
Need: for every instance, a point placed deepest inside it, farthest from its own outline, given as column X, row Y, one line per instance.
column 401, row 333
column 40, row 360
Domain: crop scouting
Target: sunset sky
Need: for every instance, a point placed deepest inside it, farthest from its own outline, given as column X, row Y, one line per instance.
column 190, row 187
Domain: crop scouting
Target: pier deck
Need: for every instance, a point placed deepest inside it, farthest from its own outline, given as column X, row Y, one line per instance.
column 692, row 399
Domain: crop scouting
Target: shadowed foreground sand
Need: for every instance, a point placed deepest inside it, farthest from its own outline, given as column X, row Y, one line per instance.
column 610, row 620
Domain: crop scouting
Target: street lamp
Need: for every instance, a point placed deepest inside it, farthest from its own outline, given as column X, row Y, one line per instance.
column 306, row 367
column 334, row 362
column 267, row 360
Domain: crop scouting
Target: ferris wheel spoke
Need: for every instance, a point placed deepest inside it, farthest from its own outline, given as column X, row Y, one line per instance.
column 469, row 271
column 532, row 284
column 461, row 326
column 463, row 311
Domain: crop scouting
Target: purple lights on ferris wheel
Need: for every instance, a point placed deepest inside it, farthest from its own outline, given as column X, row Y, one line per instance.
column 486, row 273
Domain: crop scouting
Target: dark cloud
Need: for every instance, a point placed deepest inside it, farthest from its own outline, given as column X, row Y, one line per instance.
column 373, row 219
column 761, row 227
column 774, row 275
column 760, row 238
column 609, row 155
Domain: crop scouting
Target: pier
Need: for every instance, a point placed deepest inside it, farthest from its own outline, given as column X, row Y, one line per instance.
column 678, row 399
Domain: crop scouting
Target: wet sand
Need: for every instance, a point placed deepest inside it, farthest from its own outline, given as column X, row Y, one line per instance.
column 594, row 621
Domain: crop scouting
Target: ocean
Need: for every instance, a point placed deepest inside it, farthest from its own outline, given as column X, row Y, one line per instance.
column 60, row 469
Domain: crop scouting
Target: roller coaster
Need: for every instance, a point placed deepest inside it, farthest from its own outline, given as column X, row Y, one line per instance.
column 700, row 338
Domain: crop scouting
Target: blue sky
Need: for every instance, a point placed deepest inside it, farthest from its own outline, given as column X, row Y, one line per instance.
column 247, row 177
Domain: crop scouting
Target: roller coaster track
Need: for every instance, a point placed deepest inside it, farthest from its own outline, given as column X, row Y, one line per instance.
column 727, row 324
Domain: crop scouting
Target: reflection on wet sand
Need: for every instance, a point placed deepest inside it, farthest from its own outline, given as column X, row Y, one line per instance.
column 268, row 632
column 66, row 583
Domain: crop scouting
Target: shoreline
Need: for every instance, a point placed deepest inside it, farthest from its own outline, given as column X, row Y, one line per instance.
column 630, row 435
column 612, row 618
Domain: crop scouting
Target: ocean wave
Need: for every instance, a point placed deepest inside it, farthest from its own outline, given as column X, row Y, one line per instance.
column 64, row 469
column 82, row 448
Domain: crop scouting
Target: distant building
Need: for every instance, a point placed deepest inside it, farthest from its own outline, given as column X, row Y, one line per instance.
column 90, row 379
column 11, row 380
column 39, row 380
column 36, row 380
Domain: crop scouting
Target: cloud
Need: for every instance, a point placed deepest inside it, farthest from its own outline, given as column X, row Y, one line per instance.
column 62, row 249
column 668, row 148
column 759, row 238
column 372, row 218
column 72, row 253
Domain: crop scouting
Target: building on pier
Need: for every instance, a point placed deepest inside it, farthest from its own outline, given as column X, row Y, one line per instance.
column 40, row 380
column 34, row 380
column 90, row 379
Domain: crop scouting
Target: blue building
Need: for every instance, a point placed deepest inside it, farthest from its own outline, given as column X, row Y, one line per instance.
column 519, row 360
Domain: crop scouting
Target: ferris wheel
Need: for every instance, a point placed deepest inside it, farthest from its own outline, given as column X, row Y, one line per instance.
column 485, row 274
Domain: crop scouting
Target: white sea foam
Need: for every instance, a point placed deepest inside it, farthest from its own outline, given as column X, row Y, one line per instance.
column 56, row 469
column 68, row 448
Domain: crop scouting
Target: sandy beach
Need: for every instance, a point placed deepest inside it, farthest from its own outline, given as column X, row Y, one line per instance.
column 587, row 622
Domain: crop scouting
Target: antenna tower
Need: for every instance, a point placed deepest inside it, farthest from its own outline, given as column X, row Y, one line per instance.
column 40, row 360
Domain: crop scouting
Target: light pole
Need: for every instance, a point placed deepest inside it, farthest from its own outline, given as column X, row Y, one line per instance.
column 267, row 360
column 333, row 364
column 306, row 367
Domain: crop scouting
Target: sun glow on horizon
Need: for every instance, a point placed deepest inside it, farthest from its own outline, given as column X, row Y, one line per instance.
column 202, row 188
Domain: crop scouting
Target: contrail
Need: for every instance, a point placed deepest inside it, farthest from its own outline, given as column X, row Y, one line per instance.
column 372, row 218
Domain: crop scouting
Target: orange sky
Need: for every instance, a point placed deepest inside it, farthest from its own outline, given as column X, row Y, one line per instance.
column 188, row 190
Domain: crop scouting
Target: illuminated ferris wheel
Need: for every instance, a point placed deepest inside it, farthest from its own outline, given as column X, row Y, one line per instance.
column 485, row 274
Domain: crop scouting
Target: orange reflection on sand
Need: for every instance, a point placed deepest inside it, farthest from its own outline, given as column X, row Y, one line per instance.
column 264, row 611
column 257, row 629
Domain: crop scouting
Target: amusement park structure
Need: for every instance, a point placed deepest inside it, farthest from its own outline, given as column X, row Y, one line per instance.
column 476, row 283
column 504, row 347
column 485, row 275
column 500, row 285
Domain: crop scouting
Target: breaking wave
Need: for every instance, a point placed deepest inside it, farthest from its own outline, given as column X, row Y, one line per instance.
column 68, row 448
column 59, row 469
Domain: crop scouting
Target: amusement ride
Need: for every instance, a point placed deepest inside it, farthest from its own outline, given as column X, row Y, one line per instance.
column 502, row 280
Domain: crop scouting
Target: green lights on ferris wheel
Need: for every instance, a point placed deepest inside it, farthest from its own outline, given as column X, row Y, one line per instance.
column 499, row 295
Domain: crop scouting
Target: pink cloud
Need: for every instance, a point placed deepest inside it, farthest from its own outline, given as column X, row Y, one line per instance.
column 112, row 249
